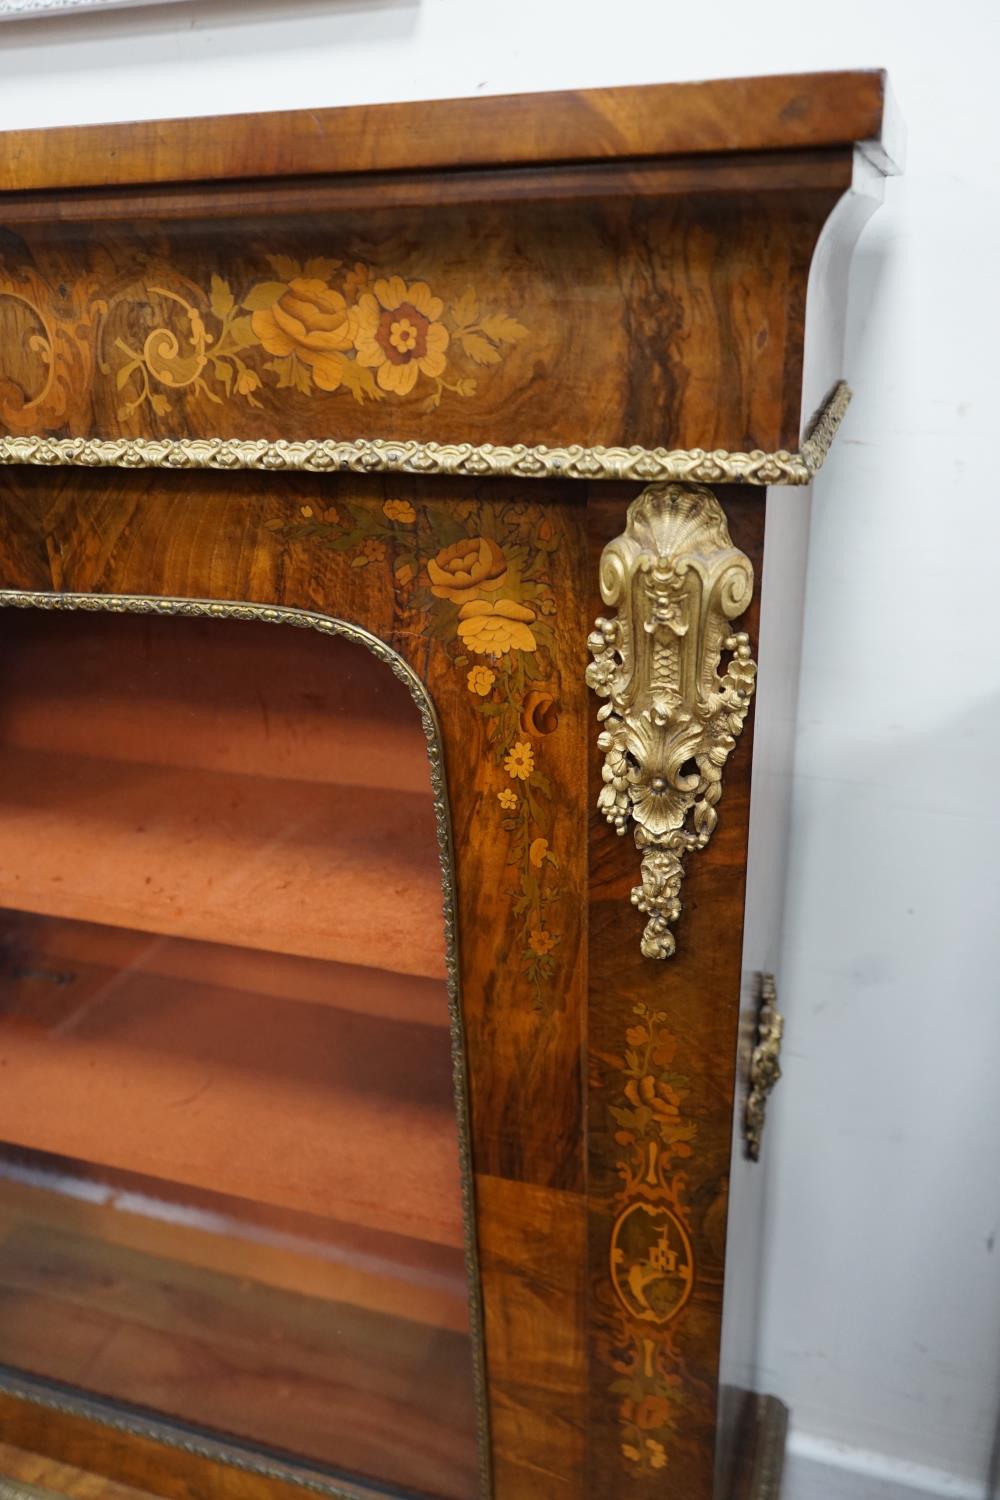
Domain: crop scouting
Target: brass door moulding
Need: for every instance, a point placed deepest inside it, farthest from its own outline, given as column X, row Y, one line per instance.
column 765, row 1069
column 671, row 720
column 476, row 460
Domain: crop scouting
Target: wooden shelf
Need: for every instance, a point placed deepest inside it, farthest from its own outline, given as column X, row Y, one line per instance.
column 64, row 955
column 319, row 1257
column 345, row 1386
column 319, row 871
column 217, row 695
column 300, row 1106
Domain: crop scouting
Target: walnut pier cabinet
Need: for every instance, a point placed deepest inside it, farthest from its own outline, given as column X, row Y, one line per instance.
column 397, row 505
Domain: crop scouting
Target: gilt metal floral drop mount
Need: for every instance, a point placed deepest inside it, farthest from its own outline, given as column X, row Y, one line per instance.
column 674, row 712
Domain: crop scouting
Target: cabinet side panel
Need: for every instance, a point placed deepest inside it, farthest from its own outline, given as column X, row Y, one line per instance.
column 782, row 593
column 662, row 1049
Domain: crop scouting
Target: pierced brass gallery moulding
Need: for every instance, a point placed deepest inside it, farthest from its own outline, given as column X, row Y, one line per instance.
column 477, row 460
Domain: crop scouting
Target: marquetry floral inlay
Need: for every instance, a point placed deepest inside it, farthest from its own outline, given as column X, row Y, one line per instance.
column 651, row 1258
column 311, row 327
column 46, row 351
column 474, row 577
column 324, row 328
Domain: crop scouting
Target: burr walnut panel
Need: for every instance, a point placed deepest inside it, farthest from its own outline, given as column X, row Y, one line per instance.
column 665, row 323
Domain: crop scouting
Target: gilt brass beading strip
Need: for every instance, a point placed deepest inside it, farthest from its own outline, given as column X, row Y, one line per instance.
column 476, row 460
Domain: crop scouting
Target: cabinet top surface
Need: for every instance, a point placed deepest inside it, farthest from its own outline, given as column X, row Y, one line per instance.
column 791, row 112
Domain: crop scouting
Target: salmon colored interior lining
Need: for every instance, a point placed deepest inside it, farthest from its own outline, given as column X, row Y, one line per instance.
column 230, row 830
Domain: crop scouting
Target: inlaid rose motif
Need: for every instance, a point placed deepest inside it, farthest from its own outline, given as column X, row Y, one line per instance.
column 399, row 510
column 494, row 629
column 399, row 333
column 650, row 1411
column 311, row 328
column 467, row 568
column 656, row 1095
column 310, row 320
column 480, row 680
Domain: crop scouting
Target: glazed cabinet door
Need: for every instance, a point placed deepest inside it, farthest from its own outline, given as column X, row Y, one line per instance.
column 294, row 942
column 397, row 1199
column 234, row 1178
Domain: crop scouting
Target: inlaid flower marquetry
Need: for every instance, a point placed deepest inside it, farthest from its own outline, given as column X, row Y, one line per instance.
column 311, row 328
column 475, row 577
column 318, row 328
column 651, row 1258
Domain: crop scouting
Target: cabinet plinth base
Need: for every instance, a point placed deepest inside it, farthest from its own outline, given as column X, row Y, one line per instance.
column 762, row 1452
column 760, row 1465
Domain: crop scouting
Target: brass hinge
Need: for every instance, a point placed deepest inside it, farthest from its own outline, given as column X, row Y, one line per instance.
column 765, row 1069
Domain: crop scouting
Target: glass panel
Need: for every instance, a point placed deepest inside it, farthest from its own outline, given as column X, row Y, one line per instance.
column 229, row 1179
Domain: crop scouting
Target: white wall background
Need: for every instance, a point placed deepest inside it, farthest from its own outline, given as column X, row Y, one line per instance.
column 882, row 1313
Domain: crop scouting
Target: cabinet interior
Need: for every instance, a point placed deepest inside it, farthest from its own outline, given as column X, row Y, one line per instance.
column 231, row 1145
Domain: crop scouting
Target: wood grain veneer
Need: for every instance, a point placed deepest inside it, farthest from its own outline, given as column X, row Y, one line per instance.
column 62, row 1479
column 779, row 113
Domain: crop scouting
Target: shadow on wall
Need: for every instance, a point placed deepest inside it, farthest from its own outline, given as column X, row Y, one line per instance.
column 885, row 1187
column 993, row 1478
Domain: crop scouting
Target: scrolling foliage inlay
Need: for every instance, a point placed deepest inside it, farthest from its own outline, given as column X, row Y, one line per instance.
column 314, row 327
column 324, row 327
column 672, row 718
